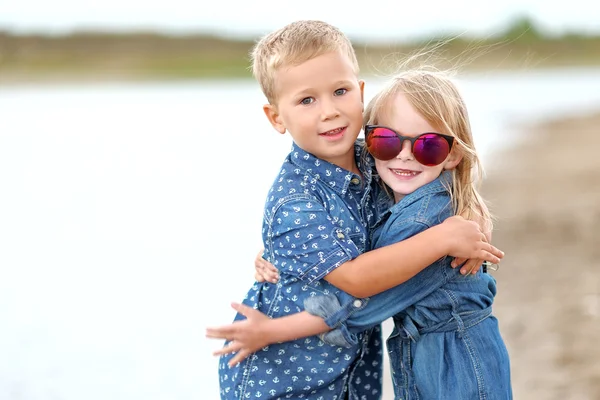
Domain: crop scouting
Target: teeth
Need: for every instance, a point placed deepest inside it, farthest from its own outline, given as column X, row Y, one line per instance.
column 334, row 131
column 404, row 172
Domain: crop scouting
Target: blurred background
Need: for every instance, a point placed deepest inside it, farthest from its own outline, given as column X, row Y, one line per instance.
column 135, row 159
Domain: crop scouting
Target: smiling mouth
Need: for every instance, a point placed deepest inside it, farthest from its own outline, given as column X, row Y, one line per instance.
column 404, row 172
column 333, row 132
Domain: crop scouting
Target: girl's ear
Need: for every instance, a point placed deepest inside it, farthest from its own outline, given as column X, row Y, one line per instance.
column 274, row 118
column 453, row 159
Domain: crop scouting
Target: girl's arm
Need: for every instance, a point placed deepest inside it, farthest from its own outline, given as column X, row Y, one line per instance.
column 257, row 331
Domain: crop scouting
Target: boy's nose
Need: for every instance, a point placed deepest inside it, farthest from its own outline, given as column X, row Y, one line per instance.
column 329, row 110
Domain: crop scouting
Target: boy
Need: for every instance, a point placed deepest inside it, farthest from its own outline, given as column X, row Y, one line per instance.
column 315, row 227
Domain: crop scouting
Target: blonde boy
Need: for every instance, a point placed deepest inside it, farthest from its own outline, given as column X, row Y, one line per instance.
column 315, row 228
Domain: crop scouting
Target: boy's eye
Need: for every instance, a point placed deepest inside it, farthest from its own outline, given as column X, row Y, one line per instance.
column 307, row 100
column 340, row 92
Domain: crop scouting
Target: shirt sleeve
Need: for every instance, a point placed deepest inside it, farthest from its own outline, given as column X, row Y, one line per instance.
column 303, row 240
column 347, row 315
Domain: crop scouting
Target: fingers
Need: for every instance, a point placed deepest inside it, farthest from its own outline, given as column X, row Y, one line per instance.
column 488, row 236
column 232, row 347
column 222, row 332
column 269, row 271
column 473, row 267
column 489, row 253
column 264, row 264
column 496, row 252
column 265, row 271
column 244, row 310
column 468, row 266
column 239, row 357
column 258, row 277
column 458, row 262
column 270, row 267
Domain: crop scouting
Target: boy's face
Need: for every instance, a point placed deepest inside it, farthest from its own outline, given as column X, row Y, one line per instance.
column 404, row 174
column 320, row 102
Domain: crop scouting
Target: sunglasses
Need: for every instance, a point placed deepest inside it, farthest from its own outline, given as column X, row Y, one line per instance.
column 428, row 148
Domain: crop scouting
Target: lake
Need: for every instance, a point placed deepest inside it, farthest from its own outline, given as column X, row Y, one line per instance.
column 120, row 206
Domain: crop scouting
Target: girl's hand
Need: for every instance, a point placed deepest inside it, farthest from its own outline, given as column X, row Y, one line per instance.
column 244, row 337
column 468, row 242
column 264, row 270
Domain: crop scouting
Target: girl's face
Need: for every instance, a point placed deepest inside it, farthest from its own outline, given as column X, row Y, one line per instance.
column 404, row 174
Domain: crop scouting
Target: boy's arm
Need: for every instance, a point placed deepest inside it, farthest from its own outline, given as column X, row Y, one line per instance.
column 425, row 247
column 399, row 262
column 266, row 272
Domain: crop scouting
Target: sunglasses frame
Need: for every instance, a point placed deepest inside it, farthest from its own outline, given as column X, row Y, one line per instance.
column 370, row 128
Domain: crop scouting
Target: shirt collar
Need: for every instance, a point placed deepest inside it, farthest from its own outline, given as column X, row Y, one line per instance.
column 335, row 177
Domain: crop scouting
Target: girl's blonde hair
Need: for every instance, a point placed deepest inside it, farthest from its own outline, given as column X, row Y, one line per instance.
column 435, row 96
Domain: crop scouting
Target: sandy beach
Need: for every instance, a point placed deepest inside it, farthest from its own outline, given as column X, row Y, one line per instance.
column 546, row 196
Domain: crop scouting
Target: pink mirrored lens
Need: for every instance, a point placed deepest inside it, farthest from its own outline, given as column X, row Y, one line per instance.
column 431, row 149
column 383, row 144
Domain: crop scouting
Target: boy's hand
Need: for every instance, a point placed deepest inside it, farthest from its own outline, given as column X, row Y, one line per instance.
column 264, row 270
column 468, row 242
column 245, row 337
column 472, row 266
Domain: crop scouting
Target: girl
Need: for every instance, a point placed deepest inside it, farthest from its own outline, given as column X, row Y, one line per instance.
column 445, row 344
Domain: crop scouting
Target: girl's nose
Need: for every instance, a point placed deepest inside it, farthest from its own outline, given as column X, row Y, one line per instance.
column 406, row 152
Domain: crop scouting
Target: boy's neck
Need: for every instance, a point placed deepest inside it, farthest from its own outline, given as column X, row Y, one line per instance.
column 346, row 162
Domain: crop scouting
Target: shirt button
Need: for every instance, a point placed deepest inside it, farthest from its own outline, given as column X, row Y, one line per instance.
column 340, row 235
column 355, row 181
column 357, row 303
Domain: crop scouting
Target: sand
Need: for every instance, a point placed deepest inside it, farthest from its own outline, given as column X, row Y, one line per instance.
column 545, row 193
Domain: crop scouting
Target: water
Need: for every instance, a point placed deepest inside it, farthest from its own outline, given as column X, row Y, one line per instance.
column 130, row 216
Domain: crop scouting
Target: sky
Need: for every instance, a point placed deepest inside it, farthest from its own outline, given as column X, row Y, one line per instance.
column 382, row 20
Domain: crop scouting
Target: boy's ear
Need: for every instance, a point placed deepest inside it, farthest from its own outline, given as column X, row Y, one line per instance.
column 453, row 159
column 274, row 117
column 361, row 84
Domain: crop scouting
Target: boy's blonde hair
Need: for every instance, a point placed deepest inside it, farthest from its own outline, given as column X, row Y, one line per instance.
column 292, row 45
column 434, row 95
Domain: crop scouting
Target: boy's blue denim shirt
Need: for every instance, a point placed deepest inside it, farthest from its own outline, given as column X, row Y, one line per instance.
column 437, row 300
column 317, row 216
